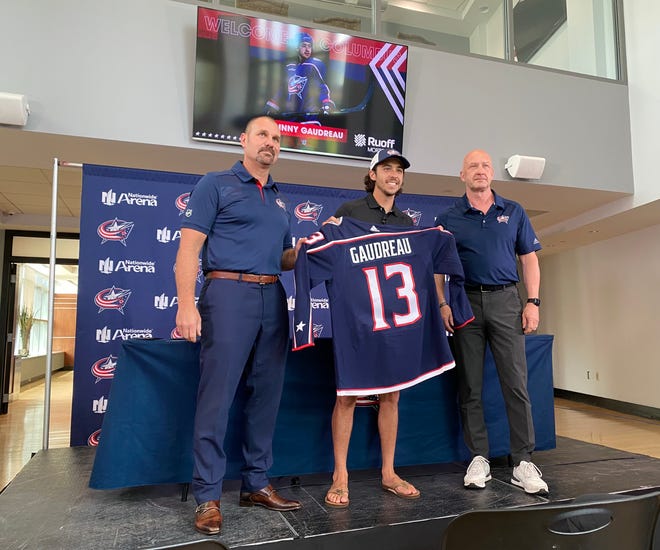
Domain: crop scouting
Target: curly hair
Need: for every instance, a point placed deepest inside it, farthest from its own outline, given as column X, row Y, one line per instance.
column 369, row 184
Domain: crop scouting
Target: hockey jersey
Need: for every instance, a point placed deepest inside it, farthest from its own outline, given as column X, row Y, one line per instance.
column 387, row 330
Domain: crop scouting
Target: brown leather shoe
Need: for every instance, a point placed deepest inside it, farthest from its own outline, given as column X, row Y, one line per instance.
column 268, row 498
column 208, row 518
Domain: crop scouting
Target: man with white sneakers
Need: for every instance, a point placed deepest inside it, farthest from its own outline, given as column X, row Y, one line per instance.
column 490, row 233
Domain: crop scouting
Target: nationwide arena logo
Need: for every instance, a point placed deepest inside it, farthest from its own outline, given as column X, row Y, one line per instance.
column 166, row 235
column 115, row 230
column 112, row 298
column 308, row 212
column 181, row 203
column 316, row 303
column 414, row 214
column 109, row 266
column 104, row 368
column 106, row 335
column 110, row 198
column 93, row 439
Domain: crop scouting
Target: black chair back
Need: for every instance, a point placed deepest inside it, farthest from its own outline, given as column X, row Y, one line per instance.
column 598, row 522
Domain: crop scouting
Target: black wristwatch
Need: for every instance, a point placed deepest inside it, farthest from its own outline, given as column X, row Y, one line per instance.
column 534, row 301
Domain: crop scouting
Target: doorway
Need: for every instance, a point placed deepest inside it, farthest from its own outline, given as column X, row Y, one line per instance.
column 24, row 309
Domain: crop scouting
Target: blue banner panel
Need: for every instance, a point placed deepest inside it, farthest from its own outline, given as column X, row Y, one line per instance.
column 148, row 430
column 129, row 233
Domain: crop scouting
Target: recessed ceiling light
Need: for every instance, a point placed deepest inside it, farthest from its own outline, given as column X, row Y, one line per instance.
column 594, row 231
column 484, row 9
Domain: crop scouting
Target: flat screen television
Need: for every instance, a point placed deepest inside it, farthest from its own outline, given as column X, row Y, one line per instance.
column 331, row 93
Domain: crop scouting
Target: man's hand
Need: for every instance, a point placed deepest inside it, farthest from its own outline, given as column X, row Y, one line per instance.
column 290, row 255
column 189, row 323
column 530, row 318
column 331, row 219
column 447, row 318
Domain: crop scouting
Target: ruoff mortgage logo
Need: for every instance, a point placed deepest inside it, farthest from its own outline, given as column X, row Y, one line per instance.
column 374, row 144
column 112, row 298
column 115, row 230
column 308, row 212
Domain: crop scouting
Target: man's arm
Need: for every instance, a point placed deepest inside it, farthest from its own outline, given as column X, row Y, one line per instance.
column 188, row 321
column 531, row 273
column 445, row 310
column 290, row 254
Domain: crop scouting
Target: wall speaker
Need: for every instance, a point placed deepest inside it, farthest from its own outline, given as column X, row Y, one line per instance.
column 520, row 166
column 14, row 109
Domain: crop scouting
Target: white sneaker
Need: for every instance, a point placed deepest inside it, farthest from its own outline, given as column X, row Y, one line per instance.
column 528, row 476
column 478, row 473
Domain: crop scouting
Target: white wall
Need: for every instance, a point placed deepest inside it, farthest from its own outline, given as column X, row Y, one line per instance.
column 602, row 302
column 123, row 70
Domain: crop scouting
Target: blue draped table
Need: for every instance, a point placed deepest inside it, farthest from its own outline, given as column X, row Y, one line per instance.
column 146, row 437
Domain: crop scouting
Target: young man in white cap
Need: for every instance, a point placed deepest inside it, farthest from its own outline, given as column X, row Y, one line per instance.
column 383, row 183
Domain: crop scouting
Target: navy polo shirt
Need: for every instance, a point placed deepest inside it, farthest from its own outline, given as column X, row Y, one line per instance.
column 246, row 230
column 367, row 209
column 488, row 243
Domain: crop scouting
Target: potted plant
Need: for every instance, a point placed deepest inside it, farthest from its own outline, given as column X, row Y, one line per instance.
column 25, row 322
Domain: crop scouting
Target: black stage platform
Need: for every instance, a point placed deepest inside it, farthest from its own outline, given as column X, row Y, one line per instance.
column 49, row 505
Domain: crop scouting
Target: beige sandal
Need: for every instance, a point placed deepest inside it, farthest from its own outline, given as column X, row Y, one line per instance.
column 340, row 492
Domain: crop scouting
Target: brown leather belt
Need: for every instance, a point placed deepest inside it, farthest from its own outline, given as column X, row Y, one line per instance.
column 245, row 277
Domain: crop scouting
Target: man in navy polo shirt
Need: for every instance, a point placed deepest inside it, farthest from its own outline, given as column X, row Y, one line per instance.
column 490, row 232
column 239, row 222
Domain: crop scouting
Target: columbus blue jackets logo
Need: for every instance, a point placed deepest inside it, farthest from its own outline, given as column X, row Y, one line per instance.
column 297, row 85
column 112, row 298
column 93, row 439
column 182, row 202
column 175, row 334
column 503, row 219
column 414, row 214
column 104, row 368
column 317, row 329
column 308, row 212
column 114, row 230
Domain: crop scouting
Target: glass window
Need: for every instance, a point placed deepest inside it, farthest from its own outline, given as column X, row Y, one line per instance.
column 32, row 313
column 574, row 35
column 458, row 26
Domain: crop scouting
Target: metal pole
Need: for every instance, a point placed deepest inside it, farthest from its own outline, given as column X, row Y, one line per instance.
column 51, row 302
column 51, row 298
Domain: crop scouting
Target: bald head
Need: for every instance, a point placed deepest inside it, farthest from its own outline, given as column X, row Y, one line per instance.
column 477, row 172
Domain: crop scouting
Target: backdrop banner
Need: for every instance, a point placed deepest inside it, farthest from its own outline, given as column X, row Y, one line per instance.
column 129, row 233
